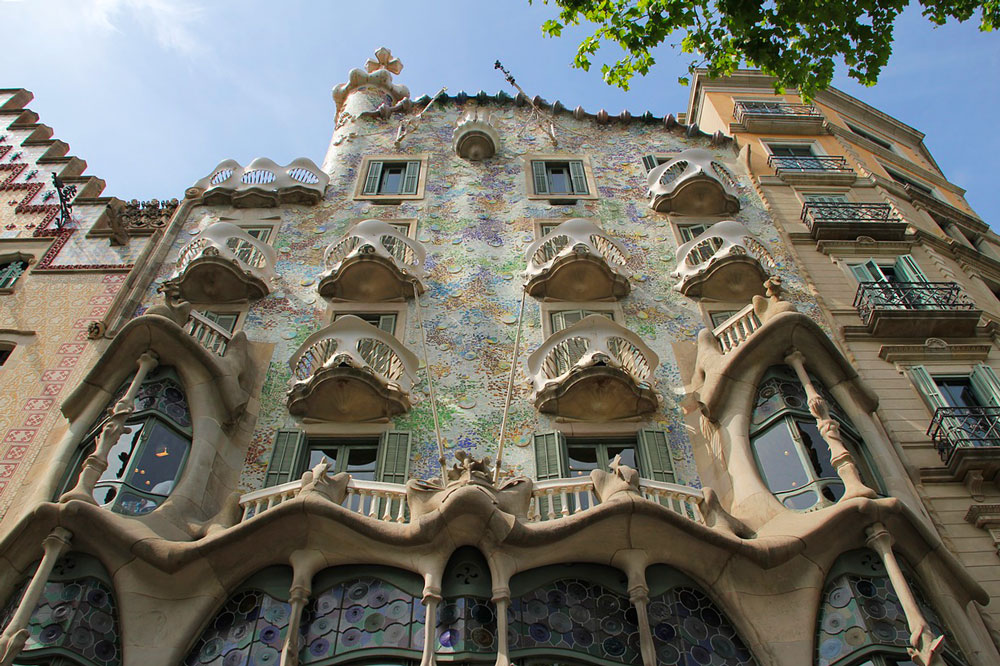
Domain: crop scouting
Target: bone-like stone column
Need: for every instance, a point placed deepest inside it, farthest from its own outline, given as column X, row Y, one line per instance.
column 16, row 634
column 501, row 599
column 840, row 457
column 97, row 462
column 432, row 597
column 305, row 564
column 924, row 646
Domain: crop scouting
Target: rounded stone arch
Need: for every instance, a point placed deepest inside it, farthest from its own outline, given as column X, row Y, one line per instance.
column 251, row 624
column 76, row 618
column 860, row 616
column 688, row 626
column 577, row 612
column 466, row 623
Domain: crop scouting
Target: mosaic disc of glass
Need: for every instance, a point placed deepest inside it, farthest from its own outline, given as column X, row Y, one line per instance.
column 689, row 630
column 250, row 629
column 577, row 616
column 361, row 614
column 466, row 624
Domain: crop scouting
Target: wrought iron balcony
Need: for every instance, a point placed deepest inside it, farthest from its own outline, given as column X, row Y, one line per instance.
column 846, row 221
column 693, row 183
column 778, row 116
column 594, row 370
column 813, row 170
column 351, row 371
column 373, row 262
column 262, row 184
column 916, row 309
column 223, row 264
column 576, row 261
column 955, row 429
column 724, row 263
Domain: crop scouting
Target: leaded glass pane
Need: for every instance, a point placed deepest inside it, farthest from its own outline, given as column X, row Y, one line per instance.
column 687, row 628
column 250, row 629
column 466, row 624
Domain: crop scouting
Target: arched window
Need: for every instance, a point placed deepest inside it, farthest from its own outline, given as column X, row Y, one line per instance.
column 76, row 621
column 687, row 626
column 572, row 612
column 861, row 622
column 250, row 628
column 148, row 458
column 466, row 617
column 792, row 455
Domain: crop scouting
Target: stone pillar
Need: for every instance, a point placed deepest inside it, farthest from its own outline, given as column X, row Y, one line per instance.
column 840, row 457
column 14, row 636
column 924, row 646
column 97, row 462
column 501, row 599
column 639, row 596
column 305, row 564
column 432, row 597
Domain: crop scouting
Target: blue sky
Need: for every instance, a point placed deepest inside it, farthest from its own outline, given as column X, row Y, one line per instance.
column 154, row 93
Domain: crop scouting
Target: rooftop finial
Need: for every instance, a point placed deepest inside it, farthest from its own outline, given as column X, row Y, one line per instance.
column 377, row 75
column 383, row 60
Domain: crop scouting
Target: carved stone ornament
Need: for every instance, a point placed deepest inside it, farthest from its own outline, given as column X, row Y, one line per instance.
column 317, row 481
column 475, row 139
column 621, row 479
column 512, row 496
column 378, row 76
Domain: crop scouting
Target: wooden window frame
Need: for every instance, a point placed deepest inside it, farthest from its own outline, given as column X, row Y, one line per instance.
column 588, row 172
column 359, row 190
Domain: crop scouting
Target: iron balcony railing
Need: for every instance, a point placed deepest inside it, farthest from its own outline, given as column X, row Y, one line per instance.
column 953, row 428
column 784, row 109
column 873, row 296
column 809, row 164
column 814, row 213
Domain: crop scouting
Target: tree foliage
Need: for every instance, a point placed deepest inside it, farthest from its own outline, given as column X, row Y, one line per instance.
column 797, row 41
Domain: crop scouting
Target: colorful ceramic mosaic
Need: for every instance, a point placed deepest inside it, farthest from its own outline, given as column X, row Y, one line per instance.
column 250, row 629
column 574, row 616
column 688, row 629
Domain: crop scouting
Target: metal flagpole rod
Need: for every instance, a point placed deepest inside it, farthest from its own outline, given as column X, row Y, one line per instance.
column 430, row 386
column 510, row 390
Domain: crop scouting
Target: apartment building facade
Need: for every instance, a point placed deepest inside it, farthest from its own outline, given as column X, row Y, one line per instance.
column 503, row 382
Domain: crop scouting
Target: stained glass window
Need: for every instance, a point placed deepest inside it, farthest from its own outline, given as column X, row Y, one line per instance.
column 861, row 614
column 689, row 629
column 250, row 629
column 76, row 614
column 466, row 617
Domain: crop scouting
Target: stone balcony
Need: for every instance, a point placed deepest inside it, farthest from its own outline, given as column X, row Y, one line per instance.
column 576, row 261
column 594, row 370
column 813, row 170
column 916, row 310
column 847, row 221
column 968, row 441
column 262, row 184
column 223, row 264
column 351, row 371
column 724, row 263
column 777, row 117
column 374, row 262
column 693, row 183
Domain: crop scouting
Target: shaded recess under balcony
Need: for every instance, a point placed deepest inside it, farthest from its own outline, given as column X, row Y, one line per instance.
column 594, row 370
column 842, row 220
column 693, row 183
column 725, row 262
column 576, row 261
column 373, row 262
column 223, row 264
column 916, row 310
column 968, row 441
column 262, row 184
column 774, row 116
column 351, row 371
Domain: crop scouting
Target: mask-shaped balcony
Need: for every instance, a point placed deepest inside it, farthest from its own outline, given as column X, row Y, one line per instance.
column 576, row 261
column 262, row 184
column 223, row 264
column 374, row 262
column 351, row 371
column 693, row 184
column 724, row 263
column 594, row 370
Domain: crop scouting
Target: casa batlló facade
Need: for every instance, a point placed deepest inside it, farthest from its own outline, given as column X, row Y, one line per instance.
column 502, row 381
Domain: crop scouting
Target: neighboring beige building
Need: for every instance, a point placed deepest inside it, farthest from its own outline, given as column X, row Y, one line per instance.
column 506, row 382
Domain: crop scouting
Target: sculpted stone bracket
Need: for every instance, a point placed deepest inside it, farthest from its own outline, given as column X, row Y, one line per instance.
column 511, row 496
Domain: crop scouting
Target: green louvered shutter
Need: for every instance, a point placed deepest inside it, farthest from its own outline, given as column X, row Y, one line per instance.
column 286, row 457
column 927, row 386
column 387, row 323
column 867, row 272
column 394, row 457
column 578, row 176
column 411, row 178
column 374, row 176
column 650, row 162
column 654, row 456
column 986, row 385
column 550, row 461
column 907, row 268
column 541, row 179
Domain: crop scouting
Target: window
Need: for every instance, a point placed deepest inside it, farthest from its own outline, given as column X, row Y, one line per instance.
column 209, row 337
column 5, row 353
column 903, row 269
column 912, row 183
column 559, row 177
column 871, row 137
column 385, row 321
column 391, row 177
column 825, row 197
column 792, row 456
column 791, row 150
column 718, row 317
column 650, row 162
column 246, row 251
column 896, row 284
column 148, row 458
column 10, row 272
column 384, row 458
column 978, row 388
column 689, row 232
column 560, row 319
column 647, row 451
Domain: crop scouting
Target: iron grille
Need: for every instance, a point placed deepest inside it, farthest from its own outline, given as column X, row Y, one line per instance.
column 785, row 109
column 825, row 164
column 874, row 296
column 964, row 427
column 843, row 212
